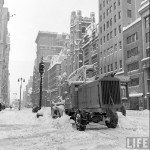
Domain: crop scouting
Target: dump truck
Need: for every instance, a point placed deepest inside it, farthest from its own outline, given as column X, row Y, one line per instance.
column 97, row 101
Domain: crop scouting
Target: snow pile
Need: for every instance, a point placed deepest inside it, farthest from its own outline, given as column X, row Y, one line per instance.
column 137, row 124
column 124, row 122
column 62, row 123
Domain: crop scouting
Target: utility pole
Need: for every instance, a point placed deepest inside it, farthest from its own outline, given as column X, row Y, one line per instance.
column 41, row 71
column 20, row 80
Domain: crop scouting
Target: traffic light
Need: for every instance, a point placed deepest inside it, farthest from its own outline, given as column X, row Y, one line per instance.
column 41, row 67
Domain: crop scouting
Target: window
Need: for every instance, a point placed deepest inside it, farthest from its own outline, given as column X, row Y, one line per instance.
column 105, row 69
column 101, row 41
column 119, row 14
column 132, row 52
column 133, row 66
column 104, row 3
column 108, row 37
column 107, row 12
column 104, row 39
column 100, row 29
column 120, row 63
column 115, row 31
column 111, row 22
column 108, row 68
column 111, row 67
column 104, row 15
column 107, row 24
column 114, row 5
column 115, row 47
column 104, row 27
column 110, row 9
column 100, row 18
column 132, row 38
column 115, row 18
column 110, row 34
column 129, row 13
column 116, row 65
column 147, row 21
column 118, row 2
column 101, row 71
column 148, row 52
column 119, row 28
column 134, row 82
column 147, row 37
column 129, row 1
column 100, row 6
column 120, row 45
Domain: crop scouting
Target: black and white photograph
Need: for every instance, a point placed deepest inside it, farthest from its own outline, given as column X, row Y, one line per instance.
column 74, row 74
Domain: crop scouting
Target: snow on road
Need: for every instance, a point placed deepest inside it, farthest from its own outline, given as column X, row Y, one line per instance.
column 21, row 130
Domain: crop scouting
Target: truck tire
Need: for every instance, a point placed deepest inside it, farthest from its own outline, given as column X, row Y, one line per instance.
column 113, row 119
column 78, row 120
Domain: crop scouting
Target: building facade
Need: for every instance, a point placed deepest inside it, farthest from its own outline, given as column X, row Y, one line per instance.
column 4, row 55
column 144, row 11
column 133, row 47
column 78, row 25
column 90, row 46
column 48, row 45
column 113, row 16
column 54, row 81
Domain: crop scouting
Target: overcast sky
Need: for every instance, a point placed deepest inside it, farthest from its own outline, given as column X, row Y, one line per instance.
column 32, row 16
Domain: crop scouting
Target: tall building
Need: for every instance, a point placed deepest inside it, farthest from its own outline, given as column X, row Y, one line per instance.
column 133, row 47
column 4, row 57
column 48, row 45
column 113, row 16
column 144, row 11
column 1, row 47
column 78, row 25
column 90, row 47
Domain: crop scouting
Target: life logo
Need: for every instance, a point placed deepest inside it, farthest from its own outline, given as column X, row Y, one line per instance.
column 137, row 143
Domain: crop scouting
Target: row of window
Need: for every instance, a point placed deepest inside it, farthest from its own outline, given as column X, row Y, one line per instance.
column 107, row 1
column 132, row 52
column 133, row 66
column 110, row 49
column 132, row 38
column 133, row 82
column 110, row 35
column 110, row 67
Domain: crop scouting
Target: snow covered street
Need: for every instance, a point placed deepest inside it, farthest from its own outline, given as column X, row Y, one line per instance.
column 21, row 130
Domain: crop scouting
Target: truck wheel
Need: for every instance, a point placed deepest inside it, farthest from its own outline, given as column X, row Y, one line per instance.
column 78, row 120
column 123, row 110
column 113, row 120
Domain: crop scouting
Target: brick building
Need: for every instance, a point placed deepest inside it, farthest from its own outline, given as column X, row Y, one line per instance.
column 144, row 11
column 133, row 46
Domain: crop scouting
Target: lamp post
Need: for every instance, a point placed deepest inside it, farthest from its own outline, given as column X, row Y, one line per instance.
column 20, row 80
column 41, row 71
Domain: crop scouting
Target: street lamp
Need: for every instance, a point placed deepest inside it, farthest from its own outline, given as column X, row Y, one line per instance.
column 20, row 80
column 41, row 71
